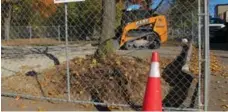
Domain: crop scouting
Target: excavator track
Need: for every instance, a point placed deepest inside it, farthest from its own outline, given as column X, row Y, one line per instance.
column 150, row 41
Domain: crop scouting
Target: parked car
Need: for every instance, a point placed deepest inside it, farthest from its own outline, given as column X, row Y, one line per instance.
column 218, row 30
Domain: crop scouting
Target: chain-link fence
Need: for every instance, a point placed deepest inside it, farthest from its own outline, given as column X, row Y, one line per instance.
column 38, row 62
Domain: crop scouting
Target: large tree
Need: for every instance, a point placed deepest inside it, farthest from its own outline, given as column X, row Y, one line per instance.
column 7, row 7
column 20, row 13
column 106, row 46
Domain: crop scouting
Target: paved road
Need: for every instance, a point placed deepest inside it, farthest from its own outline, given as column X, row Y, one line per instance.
column 22, row 59
column 19, row 59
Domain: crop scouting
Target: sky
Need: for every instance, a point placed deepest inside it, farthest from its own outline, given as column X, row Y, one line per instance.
column 213, row 3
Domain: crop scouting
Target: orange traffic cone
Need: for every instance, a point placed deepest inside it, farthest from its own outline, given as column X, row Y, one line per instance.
column 152, row 98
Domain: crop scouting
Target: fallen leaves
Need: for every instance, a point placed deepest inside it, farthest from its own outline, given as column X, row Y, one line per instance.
column 223, row 100
column 114, row 108
column 22, row 106
column 81, row 92
column 40, row 109
column 118, row 62
column 224, row 106
column 94, row 62
column 34, row 102
column 87, row 105
column 215, row 65
column 164, row 62
column 17, row 97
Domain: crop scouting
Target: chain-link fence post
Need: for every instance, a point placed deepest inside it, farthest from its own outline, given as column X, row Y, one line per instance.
column 67, row 57
column 199, row 53
column 59, row 34
column 30, row 34
column 207, row 56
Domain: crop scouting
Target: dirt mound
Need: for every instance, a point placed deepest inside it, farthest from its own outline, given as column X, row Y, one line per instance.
column 119, row 79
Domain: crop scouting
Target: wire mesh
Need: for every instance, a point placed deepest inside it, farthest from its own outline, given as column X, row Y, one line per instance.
column 34, row 63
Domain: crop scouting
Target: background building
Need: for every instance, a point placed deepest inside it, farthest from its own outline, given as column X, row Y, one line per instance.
column 221, row 11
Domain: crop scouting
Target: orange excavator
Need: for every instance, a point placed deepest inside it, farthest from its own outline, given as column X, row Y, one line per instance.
column 140, row 27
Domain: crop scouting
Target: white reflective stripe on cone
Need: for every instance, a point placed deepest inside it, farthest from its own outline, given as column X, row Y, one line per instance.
column 154, row 70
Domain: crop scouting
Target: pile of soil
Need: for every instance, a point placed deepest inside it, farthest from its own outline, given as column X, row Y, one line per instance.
column 117, row 79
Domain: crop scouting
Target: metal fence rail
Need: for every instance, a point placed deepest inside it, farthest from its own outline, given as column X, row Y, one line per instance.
column 34, row 65
column 56, row 32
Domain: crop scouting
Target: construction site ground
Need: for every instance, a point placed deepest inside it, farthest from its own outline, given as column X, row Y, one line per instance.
column 218, row 85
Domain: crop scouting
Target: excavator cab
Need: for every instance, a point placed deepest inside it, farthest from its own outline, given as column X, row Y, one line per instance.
column 135, row 15
column 141, row 29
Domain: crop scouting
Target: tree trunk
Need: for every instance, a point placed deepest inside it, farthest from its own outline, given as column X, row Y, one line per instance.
column 7, row 20
column 108, row 29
